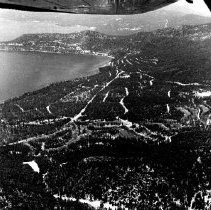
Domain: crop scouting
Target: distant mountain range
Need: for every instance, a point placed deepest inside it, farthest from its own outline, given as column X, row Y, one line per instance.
column 126, row 25
column 92, row 42
column 15, row 23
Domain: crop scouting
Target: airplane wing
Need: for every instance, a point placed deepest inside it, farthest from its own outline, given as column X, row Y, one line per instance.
column 87, row 6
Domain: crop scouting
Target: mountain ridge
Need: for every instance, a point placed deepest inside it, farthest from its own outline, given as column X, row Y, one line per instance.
column 113, row 25
column 93, row 42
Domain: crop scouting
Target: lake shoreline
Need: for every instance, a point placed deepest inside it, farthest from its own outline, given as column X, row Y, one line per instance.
column 93, row 70
column 62, row 53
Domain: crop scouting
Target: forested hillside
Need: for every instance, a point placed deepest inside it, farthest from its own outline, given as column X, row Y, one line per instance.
column 134, row 136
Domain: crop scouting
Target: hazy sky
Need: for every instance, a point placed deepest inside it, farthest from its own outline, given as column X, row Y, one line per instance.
column 198, row 7
column 15, row 23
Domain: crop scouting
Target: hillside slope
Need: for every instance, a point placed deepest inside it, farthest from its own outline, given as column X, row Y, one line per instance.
column 136, row 135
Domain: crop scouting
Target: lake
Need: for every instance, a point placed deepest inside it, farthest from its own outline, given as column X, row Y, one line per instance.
column 22, row 72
